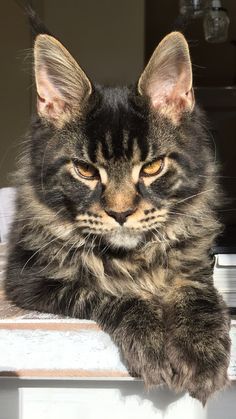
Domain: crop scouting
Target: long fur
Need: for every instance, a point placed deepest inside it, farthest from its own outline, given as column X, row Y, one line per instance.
column 148, row 284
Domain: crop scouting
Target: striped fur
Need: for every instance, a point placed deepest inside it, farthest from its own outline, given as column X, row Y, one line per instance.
column 148, row 279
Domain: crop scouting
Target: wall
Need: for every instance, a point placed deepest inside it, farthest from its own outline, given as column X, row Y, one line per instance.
column 15, row 82
column 213, row 64
column 107, row 37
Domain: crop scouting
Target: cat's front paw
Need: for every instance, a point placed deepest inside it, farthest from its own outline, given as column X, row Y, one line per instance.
column 144, row 359
column 140, row 337
column 199, row 363
column 143, row 354
column 148, row 363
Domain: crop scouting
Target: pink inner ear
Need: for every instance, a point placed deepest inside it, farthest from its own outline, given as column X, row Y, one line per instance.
column 175, row 92
column 160, row 92
column 50, row 103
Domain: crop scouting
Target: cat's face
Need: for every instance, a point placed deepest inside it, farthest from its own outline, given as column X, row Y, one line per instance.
column 116, row 161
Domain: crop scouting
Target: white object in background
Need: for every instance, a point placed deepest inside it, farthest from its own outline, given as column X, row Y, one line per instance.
column 7, row 209
column 232, row 365
column 224, row 276
column 226, row 260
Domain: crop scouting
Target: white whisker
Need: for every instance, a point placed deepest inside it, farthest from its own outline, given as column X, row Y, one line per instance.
column 39, row 250
column 193, row 196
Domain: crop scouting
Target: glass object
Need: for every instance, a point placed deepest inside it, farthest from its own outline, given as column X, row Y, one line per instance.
column 216, row 23
column 192, row 8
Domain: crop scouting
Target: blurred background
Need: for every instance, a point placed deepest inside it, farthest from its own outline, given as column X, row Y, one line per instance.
column 113, row 40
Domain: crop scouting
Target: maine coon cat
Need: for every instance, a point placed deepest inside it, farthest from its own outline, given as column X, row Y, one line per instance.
column 115, row 216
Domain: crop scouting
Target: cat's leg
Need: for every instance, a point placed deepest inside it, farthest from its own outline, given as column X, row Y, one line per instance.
column 137, row 327
column 29, row 289
column 198, row 343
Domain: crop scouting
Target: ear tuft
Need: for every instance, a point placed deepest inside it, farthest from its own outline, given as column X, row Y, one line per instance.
column 167, row 78
column 62, row 86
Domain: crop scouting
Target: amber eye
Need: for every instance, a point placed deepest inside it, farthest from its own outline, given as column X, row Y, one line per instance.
column 85, row 170
column 153, row 169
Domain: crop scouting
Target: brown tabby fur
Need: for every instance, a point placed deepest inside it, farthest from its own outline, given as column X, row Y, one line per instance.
column 130, row 251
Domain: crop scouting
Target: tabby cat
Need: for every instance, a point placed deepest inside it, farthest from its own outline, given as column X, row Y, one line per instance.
column 115, row 216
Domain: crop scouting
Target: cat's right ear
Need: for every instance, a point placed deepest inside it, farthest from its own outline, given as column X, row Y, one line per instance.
column 62, row 86
column 167, row 78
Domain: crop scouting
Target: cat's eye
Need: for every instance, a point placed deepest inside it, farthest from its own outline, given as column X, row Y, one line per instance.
column 153, row 168
column 85, row 170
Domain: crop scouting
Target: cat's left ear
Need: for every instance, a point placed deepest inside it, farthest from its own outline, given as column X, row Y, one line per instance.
column 62, row 86
column 167, row 78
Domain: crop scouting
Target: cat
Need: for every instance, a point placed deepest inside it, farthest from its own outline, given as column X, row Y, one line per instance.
column 116, row 216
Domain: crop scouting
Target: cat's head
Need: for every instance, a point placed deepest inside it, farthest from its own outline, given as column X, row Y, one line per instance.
column 116, row 161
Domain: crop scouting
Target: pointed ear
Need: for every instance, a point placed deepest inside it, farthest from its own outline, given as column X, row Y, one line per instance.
column 167, row 78
column 62, row 86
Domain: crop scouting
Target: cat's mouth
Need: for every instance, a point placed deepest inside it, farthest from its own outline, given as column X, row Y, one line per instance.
column 120, row 238
column 124, row 238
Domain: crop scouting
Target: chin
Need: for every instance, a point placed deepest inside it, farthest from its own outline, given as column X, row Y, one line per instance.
column 124, row 239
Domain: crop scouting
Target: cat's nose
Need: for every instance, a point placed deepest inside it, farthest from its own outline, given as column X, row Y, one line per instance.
column 120, row 217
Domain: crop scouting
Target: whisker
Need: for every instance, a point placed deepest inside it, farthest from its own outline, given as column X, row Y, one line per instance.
column 219, row 176
column 76, row 248
column 193, row 196
column 194, row 217
column 214, row 143
column 57, row 253
column 42, row 168
column 39, row 250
